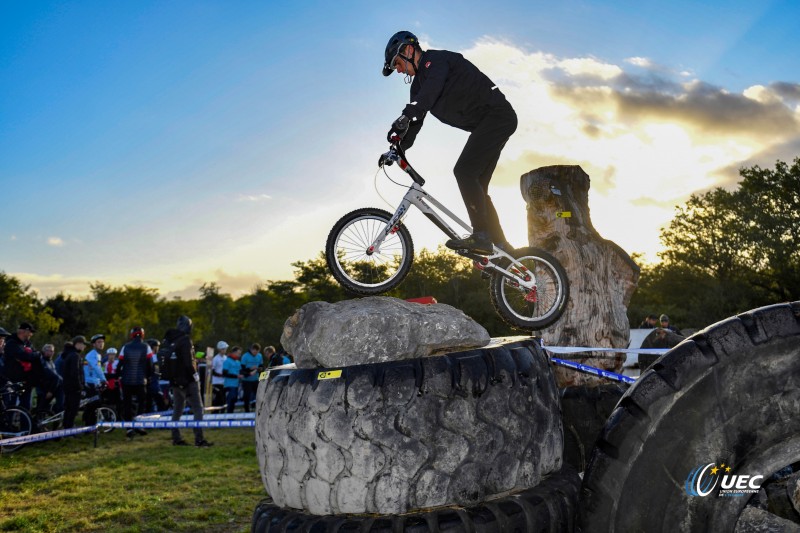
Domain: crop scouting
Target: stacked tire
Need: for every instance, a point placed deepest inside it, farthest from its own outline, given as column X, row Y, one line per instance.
column 469, row 441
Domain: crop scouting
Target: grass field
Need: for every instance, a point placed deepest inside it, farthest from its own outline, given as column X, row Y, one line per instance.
column 144, row 484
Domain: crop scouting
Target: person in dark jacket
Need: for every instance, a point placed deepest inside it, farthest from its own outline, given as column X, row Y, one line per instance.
column 72, row 368
column 22, row 363
column 134, row 368
column 457, row 93
column 185, row 380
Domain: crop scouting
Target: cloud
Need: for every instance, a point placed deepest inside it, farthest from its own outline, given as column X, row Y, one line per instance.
column 55, row 241
column 254, row 197
column 648, row 135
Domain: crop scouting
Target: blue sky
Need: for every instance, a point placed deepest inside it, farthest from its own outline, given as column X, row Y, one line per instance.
column 174, row 143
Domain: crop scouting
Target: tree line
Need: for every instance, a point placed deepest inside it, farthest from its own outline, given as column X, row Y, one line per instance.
column 726, row 251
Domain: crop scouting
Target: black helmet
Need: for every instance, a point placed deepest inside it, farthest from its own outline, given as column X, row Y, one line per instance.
column 184, row 324
column 153, row 343
column 97, row 337
column 398, row 40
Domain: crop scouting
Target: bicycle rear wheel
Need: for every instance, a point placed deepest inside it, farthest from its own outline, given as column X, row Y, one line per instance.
column 361, row 270
column 531, row 309
column 14, row 422
column 106, row 414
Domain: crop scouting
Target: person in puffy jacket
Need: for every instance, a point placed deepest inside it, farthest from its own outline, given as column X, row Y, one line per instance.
column 456, row 92
column 184, row 380
column 134, row 368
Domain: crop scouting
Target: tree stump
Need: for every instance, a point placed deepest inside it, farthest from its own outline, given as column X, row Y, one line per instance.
column 602, row 276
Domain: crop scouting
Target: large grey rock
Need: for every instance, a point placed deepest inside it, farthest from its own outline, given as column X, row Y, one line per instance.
column 375, row 330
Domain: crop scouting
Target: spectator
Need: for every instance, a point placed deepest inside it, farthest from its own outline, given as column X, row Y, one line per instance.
column 664, row 319
column 217, row 379
column 155, row 396
column 232, row 371
column 73, row 378
column 134, row 367
column 3, row 379
column 112, row 393
column 94, row 379
column 649, row 322
column 23, row 364
column 252, row 365
column 276, row 358
column 48, row 355
column 185, row 381
column 202, row 366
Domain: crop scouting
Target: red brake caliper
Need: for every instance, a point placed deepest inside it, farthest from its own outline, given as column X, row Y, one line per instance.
column 531, row 296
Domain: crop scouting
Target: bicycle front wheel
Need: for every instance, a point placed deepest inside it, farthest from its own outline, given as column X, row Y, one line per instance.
column 536, row 308
column 14, row 423
column 355, row 266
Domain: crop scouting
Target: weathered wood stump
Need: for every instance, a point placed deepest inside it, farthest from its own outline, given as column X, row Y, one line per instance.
column 602, row 275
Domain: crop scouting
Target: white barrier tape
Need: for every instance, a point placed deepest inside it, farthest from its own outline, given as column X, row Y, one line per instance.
column 154, row 414
column 180, row 424
column 36, row 437
column 569, row 349
column 227, row 416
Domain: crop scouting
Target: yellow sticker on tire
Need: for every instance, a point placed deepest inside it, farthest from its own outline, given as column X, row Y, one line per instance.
column 329, row 374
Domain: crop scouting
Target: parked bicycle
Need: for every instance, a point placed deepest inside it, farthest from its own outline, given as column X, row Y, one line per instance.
column 50, row 421
column 15, row 421
column 369, row 251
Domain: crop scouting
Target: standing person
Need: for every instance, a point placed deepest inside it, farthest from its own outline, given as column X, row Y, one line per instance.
column 217, row 379
column 48, row 362
column 22, row 363
column 202, row 367
column 155, row 396
column 94, row 379
column 232, row 371
column 453, row 90
column 134, row 367
column 252, row 365
column 276, row 358
column 112, row 393
column 184, row 380
column 664, row 320
column 72, row 368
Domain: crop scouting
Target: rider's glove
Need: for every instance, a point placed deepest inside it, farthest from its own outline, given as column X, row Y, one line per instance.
column 399, row 128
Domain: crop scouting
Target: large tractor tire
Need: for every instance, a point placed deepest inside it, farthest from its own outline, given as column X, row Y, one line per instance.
column 727, row 398
column 550, row 507
column 393, row 437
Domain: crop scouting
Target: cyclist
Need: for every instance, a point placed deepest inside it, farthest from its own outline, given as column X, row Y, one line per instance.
column 453, row 90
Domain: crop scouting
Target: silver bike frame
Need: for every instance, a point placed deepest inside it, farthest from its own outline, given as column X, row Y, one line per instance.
column 418, row 197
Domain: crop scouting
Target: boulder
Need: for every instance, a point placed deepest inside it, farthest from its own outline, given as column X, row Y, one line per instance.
column 375, row 330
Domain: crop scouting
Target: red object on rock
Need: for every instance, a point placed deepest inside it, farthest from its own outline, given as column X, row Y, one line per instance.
column 423, row 300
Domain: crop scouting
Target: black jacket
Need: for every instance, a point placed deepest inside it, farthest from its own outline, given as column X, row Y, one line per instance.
column 453, row 90
column 184, row 351
column 72, row 369
column 19, row 358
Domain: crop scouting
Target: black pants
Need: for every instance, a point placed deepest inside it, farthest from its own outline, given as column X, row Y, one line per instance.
column 476, row 165
column 72, row 401
column 218, row 395
column 249, row 389
column 129, row 391
column 90, row 409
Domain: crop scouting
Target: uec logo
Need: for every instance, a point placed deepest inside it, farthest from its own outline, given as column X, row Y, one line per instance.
column 704, row 479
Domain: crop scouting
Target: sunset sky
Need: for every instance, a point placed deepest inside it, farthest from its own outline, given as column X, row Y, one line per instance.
column 168, row 144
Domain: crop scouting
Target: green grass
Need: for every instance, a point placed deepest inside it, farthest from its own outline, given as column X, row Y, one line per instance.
column 144, row 484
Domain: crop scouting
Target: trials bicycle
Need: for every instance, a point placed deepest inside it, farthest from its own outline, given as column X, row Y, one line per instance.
column 369, row 251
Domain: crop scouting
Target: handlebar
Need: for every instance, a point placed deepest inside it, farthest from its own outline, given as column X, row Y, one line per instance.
column 397, row 154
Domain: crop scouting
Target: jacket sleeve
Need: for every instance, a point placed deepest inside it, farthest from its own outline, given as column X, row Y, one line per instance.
column 429, row 91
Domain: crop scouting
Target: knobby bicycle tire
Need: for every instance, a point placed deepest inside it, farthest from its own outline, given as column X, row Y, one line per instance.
column 349, row 261
column 552, row 288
